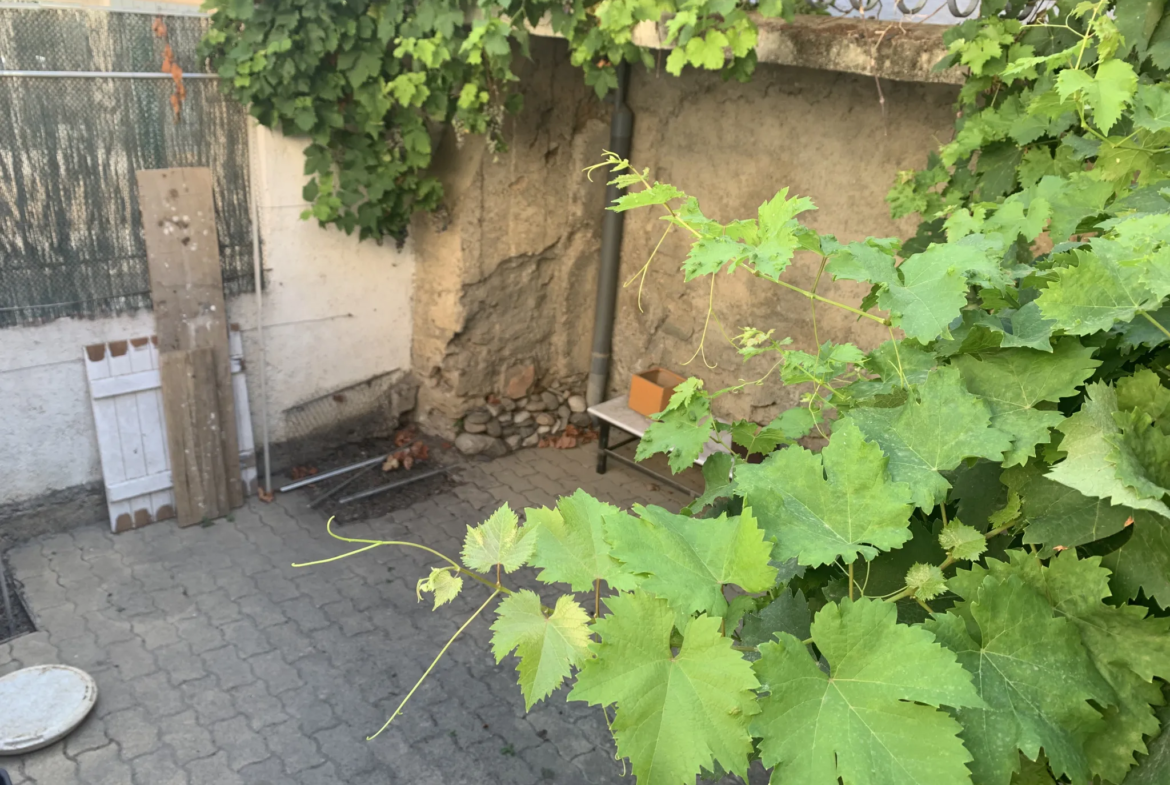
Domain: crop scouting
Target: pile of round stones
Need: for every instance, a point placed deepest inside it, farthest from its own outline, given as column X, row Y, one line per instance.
column 505, row 424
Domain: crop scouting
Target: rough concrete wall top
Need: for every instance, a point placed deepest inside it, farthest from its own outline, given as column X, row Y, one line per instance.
column 824, row 135
column 892, row 50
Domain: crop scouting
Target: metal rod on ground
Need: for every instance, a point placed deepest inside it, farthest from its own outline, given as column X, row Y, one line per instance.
column 342, row 485
column 391, row 486
column 292, row 486
column 7, row 600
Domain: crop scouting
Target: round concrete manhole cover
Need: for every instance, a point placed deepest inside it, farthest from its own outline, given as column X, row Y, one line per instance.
column 41, row 705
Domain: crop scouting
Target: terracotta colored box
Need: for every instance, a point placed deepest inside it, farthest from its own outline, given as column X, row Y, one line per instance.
column 650, row 390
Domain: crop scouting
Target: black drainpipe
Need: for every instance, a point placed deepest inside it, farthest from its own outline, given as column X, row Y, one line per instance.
column 621, row 134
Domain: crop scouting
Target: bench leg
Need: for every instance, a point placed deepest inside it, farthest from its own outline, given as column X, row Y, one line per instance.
column 602, row 445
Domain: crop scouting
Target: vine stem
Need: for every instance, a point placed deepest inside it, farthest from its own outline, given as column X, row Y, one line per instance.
column 1155, row 322
column 947, row 562
column 370, row 544
column 850, row 580
column 434, row 662
column 827, row 301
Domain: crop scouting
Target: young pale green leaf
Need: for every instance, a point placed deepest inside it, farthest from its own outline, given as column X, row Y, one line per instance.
column 1016, row 383
column 1088, row 442
column 444, row 582
column 687, row 561
column 961, row 541
column 870, row 719
column 870, row 262
column 1107, row 93
column 927, row 581
column 549, row 647
column 676, row 713
column 1144, row 391
column 933, row 432
column 498, row 540
column 1033, row 674
column 681, row 431
column 708, row 255
column 1142, row 563
column 659, row 193
column 838, row 504
column 570, row 545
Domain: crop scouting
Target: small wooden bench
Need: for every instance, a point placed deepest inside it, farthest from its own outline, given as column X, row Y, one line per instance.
column 616, row 413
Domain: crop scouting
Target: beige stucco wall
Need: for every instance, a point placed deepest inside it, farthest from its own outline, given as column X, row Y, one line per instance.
column 511, row 276
column 336, row 311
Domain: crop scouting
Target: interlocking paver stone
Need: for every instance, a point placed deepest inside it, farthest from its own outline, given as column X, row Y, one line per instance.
column 219, row 663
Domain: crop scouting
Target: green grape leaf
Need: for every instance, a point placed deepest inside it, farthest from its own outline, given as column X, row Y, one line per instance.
column 961, row 541
column 1088, row 443
column 787, row 613
column 779, row 231
column 444, row 582
column 789, row 426
column 1143, row 332
column 549, row 647
column 1128, row 648
column 1033, row 772
column 570, row 545
column 1029, row 329
column 717, row 482
column 929, row 297
column 708, row 255
column 1152, row 108
column 1142, row 563
column 870, row 719
column 498, row 540
column 1062, row 517
column 1144, row 391
column 927, row 580
column 1014, row 381
column 1034, row 675
column 1107, row 93
column 1141, row 453
column 932, row 433
column 659, row 193
column 870, row 262
column 682, row 429
column 1155, row 768
column 676, row 713
column 838, row 504
column 686, row 561
column 1096, row 294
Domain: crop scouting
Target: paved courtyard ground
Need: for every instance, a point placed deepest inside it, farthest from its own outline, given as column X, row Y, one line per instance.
column 219, row 663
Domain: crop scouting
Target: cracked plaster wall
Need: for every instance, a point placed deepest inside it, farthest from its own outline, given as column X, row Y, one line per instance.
column 512, row 277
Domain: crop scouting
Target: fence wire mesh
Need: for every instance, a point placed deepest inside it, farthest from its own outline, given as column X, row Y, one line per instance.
column 71, row 241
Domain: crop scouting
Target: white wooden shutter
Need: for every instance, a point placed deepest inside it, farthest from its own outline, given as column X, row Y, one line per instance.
column 126, row 394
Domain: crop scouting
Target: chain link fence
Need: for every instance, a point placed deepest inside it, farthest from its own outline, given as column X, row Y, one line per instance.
column 71, row 241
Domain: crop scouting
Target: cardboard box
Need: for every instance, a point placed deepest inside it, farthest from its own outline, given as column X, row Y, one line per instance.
column 650, row 390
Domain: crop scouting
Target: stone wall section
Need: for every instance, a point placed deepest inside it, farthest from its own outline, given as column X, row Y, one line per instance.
column 506, row 276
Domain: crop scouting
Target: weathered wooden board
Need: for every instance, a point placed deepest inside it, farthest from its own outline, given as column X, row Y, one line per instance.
column 135, row 465
column 178, row 217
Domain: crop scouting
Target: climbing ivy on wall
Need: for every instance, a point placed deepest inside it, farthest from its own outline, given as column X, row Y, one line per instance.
column 370, row 81
column 970, row 582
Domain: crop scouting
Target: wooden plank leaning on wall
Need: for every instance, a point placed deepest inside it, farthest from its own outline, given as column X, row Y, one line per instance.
column 182, row 247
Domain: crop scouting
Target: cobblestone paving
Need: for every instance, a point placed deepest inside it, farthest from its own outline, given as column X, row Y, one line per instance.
column 218, row 663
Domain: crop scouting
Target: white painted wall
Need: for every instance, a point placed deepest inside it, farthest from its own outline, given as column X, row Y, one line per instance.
column 336, row 312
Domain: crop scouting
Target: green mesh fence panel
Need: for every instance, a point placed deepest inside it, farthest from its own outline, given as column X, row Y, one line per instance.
column 71, row 241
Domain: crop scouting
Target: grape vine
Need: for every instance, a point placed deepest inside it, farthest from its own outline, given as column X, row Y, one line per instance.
column 970, row 582
column 367, row 80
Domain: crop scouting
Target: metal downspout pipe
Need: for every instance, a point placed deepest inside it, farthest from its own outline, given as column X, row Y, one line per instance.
column 621, row 135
